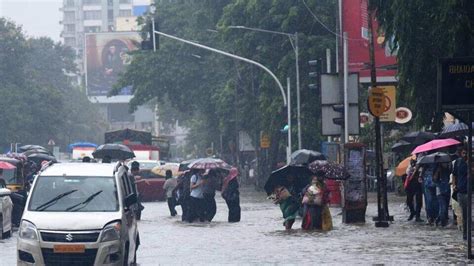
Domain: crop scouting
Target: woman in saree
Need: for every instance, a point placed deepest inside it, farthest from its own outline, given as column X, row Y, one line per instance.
column 316, row 213
column 289, row 205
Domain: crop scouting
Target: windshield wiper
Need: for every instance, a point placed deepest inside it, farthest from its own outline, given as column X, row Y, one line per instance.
column 85, row 202
column 53, row 201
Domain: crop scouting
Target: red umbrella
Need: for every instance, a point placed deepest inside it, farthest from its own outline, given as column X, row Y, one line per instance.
column 6, row 166
column 435, row 144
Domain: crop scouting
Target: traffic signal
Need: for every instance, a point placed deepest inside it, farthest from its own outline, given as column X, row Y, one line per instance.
column 315, row 75
column 339, row 108
column 148, row 44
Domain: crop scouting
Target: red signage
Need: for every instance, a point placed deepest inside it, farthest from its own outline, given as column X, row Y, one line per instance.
column 354, row 22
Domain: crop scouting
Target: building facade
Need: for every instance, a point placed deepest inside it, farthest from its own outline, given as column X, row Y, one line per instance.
column 83, row 18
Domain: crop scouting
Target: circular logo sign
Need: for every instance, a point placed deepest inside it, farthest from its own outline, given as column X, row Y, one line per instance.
column 364, row 118
column 403, row 115
column 376, row 101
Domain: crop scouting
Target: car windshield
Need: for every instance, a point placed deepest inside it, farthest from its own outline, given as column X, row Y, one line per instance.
column 74, row 194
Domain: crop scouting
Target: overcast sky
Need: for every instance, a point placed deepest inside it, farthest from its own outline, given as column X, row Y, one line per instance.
column 37, row 17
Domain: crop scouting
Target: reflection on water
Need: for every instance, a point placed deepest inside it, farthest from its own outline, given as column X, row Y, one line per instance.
column 261, row 238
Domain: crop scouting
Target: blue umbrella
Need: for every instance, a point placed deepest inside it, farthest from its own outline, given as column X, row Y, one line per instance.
column 82, row 144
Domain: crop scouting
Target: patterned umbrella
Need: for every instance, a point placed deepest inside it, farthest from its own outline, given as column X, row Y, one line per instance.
column 454, row 130
column 329, row 170
column 209, row 163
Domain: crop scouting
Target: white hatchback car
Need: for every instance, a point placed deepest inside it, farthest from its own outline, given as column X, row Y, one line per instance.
column 80, row 214
column 6, row 207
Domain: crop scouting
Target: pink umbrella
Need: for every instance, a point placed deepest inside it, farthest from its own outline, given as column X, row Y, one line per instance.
column 435, row 144
column 6, row 166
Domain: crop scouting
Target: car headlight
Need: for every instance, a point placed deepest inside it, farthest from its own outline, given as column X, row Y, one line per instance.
column 111, row 232
column 28, row 231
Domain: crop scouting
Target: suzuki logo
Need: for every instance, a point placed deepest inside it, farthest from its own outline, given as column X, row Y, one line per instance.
column 69, row 237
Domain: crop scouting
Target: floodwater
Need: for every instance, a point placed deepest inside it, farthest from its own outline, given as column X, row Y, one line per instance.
column 260, row 238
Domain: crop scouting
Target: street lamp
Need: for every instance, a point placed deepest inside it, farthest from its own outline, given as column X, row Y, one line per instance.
column 294, row 44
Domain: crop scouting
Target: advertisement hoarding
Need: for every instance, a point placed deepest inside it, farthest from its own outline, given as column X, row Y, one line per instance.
column 106, row 56
column 355, row 23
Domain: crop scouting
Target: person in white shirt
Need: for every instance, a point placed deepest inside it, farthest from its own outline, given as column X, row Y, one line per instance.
column 169, row 185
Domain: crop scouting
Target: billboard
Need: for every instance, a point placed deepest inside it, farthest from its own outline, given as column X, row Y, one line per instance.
column 106, row 56
column 456, row 84
column 355, row 23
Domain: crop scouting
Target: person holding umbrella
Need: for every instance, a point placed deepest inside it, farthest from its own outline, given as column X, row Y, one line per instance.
column 414, row 191
column 315, row 195
column 230, row 193
column 197, row 196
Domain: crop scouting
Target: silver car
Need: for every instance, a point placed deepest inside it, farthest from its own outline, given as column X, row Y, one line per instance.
column 80, row 214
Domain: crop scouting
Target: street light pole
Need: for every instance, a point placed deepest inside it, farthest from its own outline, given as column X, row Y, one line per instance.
column 298, row 101
column 285, row 101
column 294, row 44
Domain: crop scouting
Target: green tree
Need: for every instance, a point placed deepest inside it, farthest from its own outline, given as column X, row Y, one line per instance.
column 423, row 32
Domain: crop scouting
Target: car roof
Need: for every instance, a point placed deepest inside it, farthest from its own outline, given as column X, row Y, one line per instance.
column 80, row 169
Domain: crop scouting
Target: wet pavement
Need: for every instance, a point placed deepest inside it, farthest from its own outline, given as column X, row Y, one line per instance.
column 261, row 239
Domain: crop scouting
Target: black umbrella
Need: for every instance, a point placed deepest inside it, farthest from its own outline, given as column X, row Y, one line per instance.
column 30, row 147
column 114, row 151
column 40, row 157
column 402, row 146
column 437, row 157
column 418, row 137
column 455, row 130
column 305, row 157
column 278, row 177
column 28, row 152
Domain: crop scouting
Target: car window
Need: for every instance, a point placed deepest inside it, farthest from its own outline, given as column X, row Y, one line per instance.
column 74, row 194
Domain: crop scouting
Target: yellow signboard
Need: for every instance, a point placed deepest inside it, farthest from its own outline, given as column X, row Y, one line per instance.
column 390, row 104
column 376, row 101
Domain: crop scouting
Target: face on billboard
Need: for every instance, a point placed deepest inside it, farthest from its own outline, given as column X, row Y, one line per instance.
column 107, row 56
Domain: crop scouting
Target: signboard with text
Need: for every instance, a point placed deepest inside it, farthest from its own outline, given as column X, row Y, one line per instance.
column 456, row 84
column 390, row 103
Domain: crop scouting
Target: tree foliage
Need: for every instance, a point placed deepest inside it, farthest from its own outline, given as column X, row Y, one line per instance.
column 38, row 100
column 218, row 96
column 425, row 31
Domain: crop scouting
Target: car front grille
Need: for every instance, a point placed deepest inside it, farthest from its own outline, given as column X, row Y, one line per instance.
column 86, row 258
column 70, row 237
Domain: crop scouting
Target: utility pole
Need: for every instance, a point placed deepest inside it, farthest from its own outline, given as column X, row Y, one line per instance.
column 382, row 211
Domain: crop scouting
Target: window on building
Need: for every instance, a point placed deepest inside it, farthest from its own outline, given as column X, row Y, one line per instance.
column 125, row 13
column 69, row 16
column 93, row 14
column 92, row 29
column 110, row 2
column 110, row 15
column 69, row 3
column 91, row 2
column 125, row 1
column 70, row 28
column 70, row 41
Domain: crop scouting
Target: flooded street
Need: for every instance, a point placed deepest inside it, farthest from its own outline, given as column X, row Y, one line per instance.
column 261, row 239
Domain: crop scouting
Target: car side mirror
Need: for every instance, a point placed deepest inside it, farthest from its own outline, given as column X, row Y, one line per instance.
column 130, row 200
